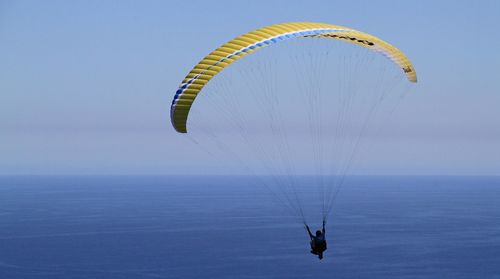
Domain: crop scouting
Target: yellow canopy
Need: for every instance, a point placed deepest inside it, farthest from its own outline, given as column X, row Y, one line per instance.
column 245, row 44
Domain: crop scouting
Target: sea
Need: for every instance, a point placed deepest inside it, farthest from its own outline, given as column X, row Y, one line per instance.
column 74, row 227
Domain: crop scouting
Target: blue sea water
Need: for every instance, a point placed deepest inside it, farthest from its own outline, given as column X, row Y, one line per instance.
column 227, row 227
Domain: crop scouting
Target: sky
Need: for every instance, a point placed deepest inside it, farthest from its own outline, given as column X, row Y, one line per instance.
column 86, row 86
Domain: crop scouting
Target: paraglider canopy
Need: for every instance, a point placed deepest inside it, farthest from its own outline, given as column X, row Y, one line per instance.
column 245, row 44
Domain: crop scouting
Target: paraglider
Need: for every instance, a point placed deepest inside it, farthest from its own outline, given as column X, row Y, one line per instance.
column 327, row 99
column 318, row 241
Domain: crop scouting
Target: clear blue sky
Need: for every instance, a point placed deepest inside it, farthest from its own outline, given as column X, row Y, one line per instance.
column 85, row 86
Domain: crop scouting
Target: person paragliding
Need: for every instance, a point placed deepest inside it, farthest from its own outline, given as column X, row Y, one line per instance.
column 318, row 241
column 334, row 119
